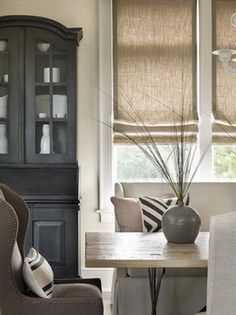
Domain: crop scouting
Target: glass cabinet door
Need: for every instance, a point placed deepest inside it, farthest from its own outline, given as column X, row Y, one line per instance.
column 50, row 108
column 10, row 101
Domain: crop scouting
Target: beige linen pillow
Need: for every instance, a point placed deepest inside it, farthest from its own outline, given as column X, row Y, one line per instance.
column 128, row 214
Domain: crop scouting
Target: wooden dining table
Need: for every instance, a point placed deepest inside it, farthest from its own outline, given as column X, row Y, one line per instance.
column 145, row 250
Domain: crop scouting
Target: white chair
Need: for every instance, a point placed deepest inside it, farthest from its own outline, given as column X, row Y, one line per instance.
column 221, row 283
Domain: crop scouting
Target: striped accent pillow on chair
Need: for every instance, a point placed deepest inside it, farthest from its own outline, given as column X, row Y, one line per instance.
column 38, row 274
column 153, row 208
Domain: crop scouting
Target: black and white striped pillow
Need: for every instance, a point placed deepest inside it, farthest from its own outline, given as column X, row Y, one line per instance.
column 38, row 274
column 153, row 208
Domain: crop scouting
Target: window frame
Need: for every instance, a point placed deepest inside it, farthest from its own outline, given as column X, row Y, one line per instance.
column 204, row 87
column 105, row 111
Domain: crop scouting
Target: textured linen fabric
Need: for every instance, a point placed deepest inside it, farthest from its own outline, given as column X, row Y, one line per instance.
column 38, row 274
column 154, row 69
column 178, row 296
column 221, row 290
column 128, row 214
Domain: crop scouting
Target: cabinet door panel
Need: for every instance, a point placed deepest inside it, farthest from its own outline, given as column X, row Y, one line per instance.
column 53, row 231
column 49, row 238
column 11, row 94
column 50, row 101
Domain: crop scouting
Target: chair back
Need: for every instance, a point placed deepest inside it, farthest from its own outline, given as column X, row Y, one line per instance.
column 14, row 217
column 221, row 291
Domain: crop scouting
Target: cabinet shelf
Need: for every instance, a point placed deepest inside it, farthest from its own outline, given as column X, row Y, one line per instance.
column 60, row 119
column 54, row 54
column 51, row 83
column 54, row 119
column 46, row 120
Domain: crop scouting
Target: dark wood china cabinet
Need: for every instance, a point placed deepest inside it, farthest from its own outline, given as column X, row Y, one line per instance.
column 38, row 132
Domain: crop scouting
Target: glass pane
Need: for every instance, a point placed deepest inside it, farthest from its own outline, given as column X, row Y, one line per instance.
column 42, row 138
column 60, row 102
column 59, row 65
column 3, row 102
column 224, row 161
column 51, row 108
column 42, row 61
column 42, row 102
column 3, row 65
column 60, row 137
column 131, row 164
column 3, row 139
column 3, row 46
column 3, row 78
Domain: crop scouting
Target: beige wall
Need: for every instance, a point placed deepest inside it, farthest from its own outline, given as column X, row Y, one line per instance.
column 77, row 13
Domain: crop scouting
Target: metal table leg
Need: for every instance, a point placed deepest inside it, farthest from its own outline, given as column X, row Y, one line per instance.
column 155, row 276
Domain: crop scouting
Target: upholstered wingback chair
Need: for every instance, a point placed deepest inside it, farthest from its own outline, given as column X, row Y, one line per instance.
column 78, row 298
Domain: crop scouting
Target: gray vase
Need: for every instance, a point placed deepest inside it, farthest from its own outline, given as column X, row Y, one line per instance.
column 181, row 224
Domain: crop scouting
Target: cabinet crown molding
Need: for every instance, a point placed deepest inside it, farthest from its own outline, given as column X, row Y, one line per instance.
column 42, row 22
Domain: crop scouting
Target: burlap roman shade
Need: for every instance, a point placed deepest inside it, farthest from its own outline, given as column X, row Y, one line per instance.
column 224, row 84
column 154, row 69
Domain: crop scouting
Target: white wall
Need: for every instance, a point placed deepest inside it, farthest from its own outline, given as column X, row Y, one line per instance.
column 78, row 13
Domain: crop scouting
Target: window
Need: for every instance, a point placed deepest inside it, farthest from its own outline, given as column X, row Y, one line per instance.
column 223, row 95
column 131, row 164
column 154, row 67
column 224, row 162
column 154, row 78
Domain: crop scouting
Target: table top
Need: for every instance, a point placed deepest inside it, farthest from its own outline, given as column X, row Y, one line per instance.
column 144, row 250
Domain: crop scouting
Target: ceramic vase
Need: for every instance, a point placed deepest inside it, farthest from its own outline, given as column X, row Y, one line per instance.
column 45, row 140
column 181, row 224
column 3, row 140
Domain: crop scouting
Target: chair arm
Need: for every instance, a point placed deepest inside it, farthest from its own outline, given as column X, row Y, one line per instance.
column 94, row 281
